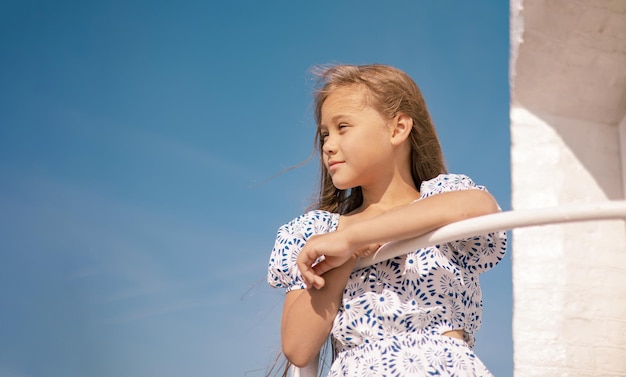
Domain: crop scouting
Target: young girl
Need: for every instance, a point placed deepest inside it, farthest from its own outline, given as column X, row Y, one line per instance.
column 382, row 179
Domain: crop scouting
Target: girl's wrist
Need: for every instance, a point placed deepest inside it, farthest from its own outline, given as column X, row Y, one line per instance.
column 347, row 237
column 352, row 237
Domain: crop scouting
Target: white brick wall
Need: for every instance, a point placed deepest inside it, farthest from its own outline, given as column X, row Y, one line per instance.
column 622, row 139
column 569, row 281
column 568, row 133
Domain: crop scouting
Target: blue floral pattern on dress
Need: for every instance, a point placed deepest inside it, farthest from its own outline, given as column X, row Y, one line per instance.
column 394, row 312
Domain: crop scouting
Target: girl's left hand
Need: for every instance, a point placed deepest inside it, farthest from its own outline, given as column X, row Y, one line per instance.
column 336, row 251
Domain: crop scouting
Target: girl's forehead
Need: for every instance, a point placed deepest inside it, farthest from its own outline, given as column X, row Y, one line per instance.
column 345, row 99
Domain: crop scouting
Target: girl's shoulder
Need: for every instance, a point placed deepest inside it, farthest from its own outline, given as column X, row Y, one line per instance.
column 290, row 239
column 447, row 182
column 313, row 222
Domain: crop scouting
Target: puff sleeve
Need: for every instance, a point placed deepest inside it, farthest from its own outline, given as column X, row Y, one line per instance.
column 479, row 253
column 290, row 239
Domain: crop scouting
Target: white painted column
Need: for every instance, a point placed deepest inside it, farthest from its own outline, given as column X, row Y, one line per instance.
column 622, row 143
column 569, row 281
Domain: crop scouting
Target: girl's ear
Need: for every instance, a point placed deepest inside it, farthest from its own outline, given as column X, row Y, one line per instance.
column 401, row 128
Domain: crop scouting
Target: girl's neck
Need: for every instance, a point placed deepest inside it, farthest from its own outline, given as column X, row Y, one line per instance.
column 383, row 199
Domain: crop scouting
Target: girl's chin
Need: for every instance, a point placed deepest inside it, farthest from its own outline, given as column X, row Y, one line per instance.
column 343, row 186
column 346, row 183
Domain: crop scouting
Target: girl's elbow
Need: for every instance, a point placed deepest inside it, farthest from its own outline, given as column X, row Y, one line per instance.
column 298, row 351
column 488, row 204
column 482, row 203
column 297, row 356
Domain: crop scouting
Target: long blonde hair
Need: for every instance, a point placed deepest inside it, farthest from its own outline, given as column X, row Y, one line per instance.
column 390, row 91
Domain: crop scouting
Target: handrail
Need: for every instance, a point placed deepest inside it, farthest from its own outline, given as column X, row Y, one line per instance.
column 498, row 222
column 607, row 210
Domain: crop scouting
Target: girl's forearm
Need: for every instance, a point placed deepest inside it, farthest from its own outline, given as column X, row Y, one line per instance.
column 420, row 217
column 308, row 316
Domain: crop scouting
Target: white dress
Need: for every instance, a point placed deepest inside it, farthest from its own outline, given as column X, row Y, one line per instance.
column 394, row 312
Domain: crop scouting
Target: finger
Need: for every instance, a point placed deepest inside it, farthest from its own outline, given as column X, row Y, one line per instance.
column 304, row 261
column 309, row 275
column 322, row 267
column 314, row 281
column 319, row 282
column 311, row 280
column 306, row 273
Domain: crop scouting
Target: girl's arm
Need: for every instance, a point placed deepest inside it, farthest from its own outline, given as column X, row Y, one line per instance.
column 308, row 315
column 403, row 222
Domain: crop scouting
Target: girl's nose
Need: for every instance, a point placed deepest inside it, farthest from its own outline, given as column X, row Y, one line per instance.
column 330, row 147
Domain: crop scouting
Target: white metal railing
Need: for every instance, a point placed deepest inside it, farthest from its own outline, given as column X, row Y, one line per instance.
column 500, row 221
column 486, row 224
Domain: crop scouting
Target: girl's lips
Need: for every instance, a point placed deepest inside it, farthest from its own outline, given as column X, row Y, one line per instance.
column 333, row 163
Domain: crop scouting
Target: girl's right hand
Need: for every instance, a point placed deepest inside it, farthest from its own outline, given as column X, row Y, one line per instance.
column 335, row 251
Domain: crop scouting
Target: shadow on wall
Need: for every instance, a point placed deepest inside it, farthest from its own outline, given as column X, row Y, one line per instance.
column 595, row 147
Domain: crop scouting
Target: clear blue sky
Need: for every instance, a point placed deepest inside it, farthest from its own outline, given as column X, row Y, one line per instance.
column 136, row 138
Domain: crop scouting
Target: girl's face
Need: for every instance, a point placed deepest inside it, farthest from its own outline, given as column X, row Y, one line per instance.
column 356, row 139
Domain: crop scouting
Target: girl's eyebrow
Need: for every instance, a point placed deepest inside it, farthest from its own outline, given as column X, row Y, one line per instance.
column 335, row 119
column 338, row 117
